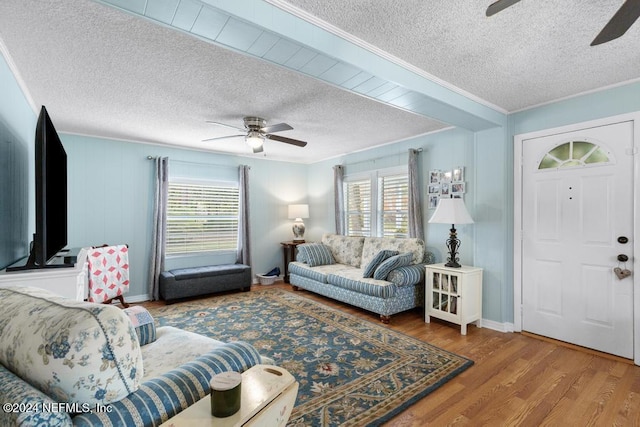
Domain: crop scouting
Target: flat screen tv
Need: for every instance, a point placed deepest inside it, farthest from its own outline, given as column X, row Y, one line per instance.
column 51, row 197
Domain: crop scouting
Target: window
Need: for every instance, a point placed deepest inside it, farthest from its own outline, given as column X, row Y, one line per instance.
column 574, row 153
column 201, row 217
column 358, row 211
column 393, row 206
column 377, row 204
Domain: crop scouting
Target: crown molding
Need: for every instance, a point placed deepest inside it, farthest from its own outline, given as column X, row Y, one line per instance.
column 16, row 74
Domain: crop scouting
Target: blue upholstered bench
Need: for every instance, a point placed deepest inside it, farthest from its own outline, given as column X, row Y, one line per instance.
column 196, row 281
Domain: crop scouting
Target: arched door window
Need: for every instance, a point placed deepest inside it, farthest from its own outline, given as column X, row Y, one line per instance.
column 575, row 153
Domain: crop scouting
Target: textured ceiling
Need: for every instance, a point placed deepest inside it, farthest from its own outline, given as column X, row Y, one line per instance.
column 103, row 72
column 534, row 52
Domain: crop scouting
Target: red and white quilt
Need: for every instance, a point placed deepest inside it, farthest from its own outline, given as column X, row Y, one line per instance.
column 108, row 272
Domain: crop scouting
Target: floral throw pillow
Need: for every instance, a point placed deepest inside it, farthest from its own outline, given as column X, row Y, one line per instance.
column 391, row 263
column 378, row 259
column 72, row 351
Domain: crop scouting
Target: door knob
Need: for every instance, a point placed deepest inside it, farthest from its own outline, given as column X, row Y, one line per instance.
column 623, row 258
column 623, row 239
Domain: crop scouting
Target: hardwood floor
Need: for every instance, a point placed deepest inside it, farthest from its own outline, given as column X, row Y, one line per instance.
column 517, row 380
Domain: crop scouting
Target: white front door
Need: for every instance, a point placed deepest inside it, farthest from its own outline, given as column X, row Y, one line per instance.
column 577, row 211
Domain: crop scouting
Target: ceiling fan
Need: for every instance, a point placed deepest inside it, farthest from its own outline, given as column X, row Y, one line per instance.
column 621, row 21
column 256, row 131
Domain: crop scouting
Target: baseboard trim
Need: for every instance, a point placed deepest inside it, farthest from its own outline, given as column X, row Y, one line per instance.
column 137, row 298
column 497, row 326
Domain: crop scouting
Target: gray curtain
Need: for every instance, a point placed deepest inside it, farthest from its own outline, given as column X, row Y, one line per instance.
column 243, row 255
column 159, row 226
column 338, row 192
column 416, row 228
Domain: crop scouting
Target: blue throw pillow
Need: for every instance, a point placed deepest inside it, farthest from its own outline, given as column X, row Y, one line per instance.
column 376, row 261
column 391, row 263
column 316, row 254
column 407, row 275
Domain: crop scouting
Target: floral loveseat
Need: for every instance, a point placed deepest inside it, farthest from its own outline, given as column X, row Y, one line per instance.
column 380, row 274
column 65, row 362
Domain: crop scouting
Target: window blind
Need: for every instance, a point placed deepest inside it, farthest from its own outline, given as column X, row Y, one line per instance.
column 202, row 217
column 358, row 207
column 393, row 206
column 377, row 204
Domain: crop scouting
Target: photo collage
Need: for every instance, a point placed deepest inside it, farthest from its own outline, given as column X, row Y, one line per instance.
column 445, row 184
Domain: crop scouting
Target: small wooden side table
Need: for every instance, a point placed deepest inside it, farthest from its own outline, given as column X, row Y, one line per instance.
column 289, row 249
column 268, row 395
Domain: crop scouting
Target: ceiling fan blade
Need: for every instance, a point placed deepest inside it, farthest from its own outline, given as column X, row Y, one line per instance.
column 259, row 149
column 225, row 125
column 223, row 137
column 619, row 23
column 276, row 128
column 278, row 138
column 499, row 5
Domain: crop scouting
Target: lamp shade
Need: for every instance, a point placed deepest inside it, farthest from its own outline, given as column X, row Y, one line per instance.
column 298, row 211
column 451, row 211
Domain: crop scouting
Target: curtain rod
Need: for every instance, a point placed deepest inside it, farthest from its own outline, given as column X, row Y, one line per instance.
column 195, row 163
column 419, row 150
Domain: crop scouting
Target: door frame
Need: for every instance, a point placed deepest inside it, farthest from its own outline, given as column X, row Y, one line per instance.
column 518, row 141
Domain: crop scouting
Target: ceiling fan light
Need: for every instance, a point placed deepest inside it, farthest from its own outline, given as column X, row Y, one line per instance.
column 254, row 139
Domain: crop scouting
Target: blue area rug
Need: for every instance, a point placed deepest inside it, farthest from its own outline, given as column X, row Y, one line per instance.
column 351, row 371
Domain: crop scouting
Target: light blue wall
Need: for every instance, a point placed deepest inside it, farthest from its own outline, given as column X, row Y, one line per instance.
column 606, row 103
column 486, row 155
column 597, row 105
column 492, row 183
column 483, row 156
column 17, row 129
column 14, row 108
column 110, row 186
column 111, row 199
column 488, row 158
column 493, row 222
column 442, row 150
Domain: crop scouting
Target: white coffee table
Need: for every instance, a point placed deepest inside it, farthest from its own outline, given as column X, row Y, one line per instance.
column 268, row 396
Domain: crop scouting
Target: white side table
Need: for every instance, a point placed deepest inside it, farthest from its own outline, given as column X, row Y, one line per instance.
column 453, row 294
column 268, row 395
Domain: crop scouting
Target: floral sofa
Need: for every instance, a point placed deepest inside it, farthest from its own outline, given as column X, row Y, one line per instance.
column 65, row 362
column 380, row 274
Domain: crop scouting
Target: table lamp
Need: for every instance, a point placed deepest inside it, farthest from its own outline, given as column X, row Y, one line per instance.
column 452, row 211
column 298, row 212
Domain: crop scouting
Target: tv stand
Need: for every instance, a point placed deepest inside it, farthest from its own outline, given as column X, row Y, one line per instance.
column 66, row 275
column 66, row 258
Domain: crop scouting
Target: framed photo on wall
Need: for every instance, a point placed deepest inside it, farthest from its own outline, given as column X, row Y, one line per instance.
column 458, row 188
column 457, row 174
column 445, row 184
column 445, row 188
